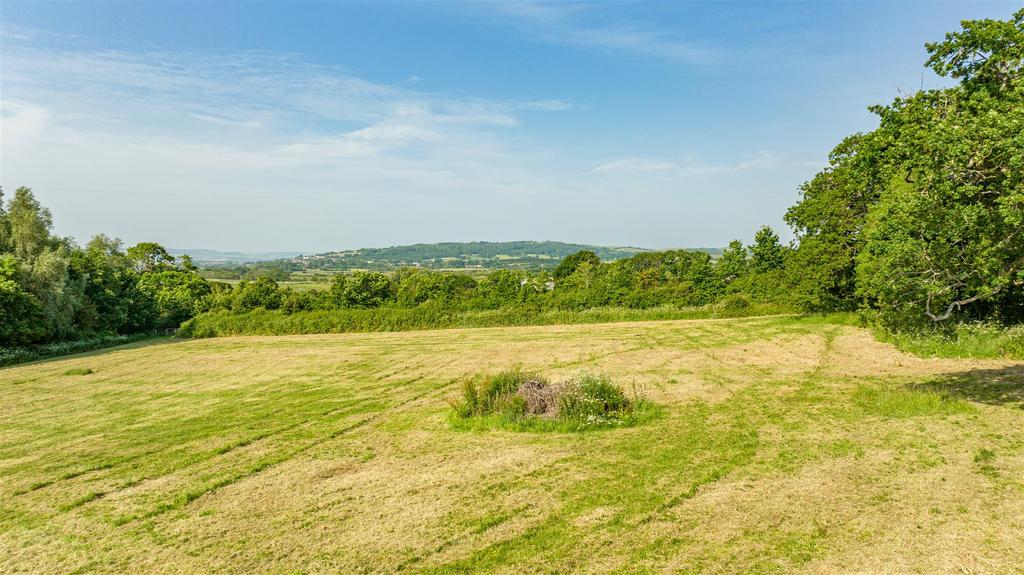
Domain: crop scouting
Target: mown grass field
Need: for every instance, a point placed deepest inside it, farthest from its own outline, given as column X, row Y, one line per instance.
column 785, row 445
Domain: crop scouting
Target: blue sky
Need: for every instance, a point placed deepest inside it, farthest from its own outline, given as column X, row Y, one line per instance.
column 319, row 126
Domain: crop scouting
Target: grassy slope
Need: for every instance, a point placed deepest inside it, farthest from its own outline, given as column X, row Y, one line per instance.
column 787, row 446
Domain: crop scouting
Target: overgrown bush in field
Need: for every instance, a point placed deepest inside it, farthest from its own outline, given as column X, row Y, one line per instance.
column 520, row 400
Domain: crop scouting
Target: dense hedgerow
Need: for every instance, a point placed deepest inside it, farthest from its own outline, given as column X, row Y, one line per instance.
column 518, row 400
column 266, row 322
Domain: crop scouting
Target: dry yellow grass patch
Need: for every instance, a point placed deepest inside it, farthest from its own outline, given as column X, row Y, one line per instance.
column 783, row 446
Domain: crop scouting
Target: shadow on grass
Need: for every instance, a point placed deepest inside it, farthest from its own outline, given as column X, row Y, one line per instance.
column 1002, row 386
column 138, row 344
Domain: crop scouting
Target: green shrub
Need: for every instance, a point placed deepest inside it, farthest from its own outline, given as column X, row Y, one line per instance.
column 733, row 305
column 517, row 400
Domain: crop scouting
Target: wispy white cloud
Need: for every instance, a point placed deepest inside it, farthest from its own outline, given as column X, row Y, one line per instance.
column 241, row 89
column 567, row 23
column 363, row 142
column 271, row 102
column 689, row 168
column 224, row 121
column 111, row 135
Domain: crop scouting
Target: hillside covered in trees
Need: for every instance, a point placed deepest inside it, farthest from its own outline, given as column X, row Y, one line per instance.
column 492, row 255
column 525, row 255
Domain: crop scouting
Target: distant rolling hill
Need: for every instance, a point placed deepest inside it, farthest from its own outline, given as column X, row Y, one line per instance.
column 487, row 255
column 204, row 257
column 446, row 255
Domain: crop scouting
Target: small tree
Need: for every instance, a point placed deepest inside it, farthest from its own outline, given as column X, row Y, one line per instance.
column 767, row 253
column 262, row 292
column 361, row 290
column 21, row 315
column 503, row 287
column 569, row 264
column 177, row 294
column 733, row 264
column 150, row 256
column 29, row 225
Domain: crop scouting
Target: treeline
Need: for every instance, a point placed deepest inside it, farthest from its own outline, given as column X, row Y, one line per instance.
column 581, row 281
column 920, row 223
column 52, row 290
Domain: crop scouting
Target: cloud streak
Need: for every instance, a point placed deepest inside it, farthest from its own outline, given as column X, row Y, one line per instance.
column 569, row 24
column 224, row 121
column 687, row 169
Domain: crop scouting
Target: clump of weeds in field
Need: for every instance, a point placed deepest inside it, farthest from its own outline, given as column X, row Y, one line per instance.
column 78, row 371
column 523, row 401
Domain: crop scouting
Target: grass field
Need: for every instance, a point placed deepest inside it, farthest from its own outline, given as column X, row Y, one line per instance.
column 785, row 445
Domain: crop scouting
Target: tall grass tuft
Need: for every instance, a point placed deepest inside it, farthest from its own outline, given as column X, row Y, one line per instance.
column 495, row 394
